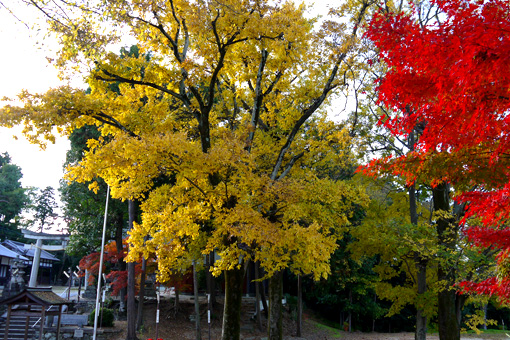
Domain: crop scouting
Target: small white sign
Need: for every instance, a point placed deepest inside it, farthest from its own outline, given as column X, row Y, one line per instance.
column 208, row 316
column 78, row 333
column 157, row 316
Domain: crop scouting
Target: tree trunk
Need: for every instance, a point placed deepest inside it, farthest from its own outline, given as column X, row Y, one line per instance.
column 211, row 286
column 449, row 328
column 119, row 221
column 257, row 297
column 131, row 304
column 299, row 306
column 198, row 331
column 176, row 303
column 263, row 297
column 275, row 330
column 421, row 278
column 141, row 295
column 350, row 310
column 232, row 308
column 421, row 270
column 419, row 261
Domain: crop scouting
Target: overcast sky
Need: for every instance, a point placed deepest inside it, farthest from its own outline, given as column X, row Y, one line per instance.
column 23, row 65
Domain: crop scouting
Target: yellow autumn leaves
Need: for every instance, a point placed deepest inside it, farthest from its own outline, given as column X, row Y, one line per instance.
column 210, row 122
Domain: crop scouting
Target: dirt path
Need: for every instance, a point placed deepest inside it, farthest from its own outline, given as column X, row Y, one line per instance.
column 179, row 327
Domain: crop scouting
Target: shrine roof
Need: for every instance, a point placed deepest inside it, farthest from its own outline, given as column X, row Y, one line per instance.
column 6, row 252
column 40, row 296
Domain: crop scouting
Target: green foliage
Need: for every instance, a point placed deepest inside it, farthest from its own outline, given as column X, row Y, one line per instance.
column 83, row 208
column 106, row 317
column 43, row 207
column 13, row 198
column 349, row 289
column 387, row 233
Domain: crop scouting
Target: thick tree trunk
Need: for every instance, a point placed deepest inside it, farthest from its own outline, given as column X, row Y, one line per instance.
column 449, row 328
column 232, row 309
column 141, row 296
column 131, row 303
column 198, row 331
column 275, row 330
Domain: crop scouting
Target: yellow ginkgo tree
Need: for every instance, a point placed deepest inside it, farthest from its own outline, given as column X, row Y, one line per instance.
column 215, row 122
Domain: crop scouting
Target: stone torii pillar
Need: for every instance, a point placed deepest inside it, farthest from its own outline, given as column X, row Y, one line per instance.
column 39, row 237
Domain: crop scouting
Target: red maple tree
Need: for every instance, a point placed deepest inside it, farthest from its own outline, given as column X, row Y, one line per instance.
column 117, row 278
column 452, row 79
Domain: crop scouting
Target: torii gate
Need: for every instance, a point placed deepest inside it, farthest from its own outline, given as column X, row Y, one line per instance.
column 39, row 246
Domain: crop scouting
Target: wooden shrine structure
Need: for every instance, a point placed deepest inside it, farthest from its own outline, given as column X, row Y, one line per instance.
column 27, row 304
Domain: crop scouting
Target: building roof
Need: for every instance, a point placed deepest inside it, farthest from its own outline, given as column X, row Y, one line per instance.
column 6, row 252
column 41, row 296
column 20, row 248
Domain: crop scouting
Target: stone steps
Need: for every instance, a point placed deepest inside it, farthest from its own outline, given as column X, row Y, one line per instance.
column 16, row 329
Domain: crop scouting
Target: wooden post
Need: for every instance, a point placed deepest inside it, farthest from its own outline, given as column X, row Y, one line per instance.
column 43, row 316
column 58, row 321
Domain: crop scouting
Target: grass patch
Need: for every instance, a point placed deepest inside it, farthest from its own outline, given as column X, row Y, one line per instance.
column 335, row 332
column 489, row 331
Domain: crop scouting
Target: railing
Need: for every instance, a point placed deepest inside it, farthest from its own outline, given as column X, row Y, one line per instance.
column 61, row 295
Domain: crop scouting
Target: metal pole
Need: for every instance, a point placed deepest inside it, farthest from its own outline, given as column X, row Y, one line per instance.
column 98, row 292
column 70, row 283
column 157, row 314
column 209, row 313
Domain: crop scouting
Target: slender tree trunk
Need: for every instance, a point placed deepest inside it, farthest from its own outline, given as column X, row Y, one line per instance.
column 231, row 329
column 299, row 306
column 176, row 302
column 198, row 331
column 484, row 309
column 421, row 278
column 275, row 330
column 449, row 328
column 263, row 297
column 419, row 261
column 122, row 264
column 350, row 310
column 421, row 270
column 257, row 297
column 211, row 282
column 131, row 303
column 141, row 295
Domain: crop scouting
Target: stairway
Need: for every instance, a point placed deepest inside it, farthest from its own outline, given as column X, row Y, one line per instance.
column 16, row 329
column 17, row 324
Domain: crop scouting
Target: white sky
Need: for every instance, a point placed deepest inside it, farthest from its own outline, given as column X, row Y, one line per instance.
column 23, row 65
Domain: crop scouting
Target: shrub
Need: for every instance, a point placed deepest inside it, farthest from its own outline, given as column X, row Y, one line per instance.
column 106, row 320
